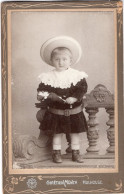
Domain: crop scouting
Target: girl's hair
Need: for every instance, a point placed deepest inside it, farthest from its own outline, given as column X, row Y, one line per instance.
column 60, row 50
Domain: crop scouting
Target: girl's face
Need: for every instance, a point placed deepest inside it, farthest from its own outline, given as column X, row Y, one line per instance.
column 61, row 61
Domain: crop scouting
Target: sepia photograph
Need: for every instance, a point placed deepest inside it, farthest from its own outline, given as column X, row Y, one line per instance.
column 62, row 89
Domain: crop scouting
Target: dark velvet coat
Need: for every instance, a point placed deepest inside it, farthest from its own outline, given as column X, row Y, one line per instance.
column 52, row 123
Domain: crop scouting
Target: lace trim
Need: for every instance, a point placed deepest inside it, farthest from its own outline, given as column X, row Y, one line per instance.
column 43, row 94
column 62, row 79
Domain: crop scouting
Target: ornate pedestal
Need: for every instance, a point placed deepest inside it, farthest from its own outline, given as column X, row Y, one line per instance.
column 32, row 149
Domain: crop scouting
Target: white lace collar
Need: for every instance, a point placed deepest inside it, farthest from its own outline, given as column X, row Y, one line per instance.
column 62, row 79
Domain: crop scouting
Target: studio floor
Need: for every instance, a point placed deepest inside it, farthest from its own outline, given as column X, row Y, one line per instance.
column 67, row 163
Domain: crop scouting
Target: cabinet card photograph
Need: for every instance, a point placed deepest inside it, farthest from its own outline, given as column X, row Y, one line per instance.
column 62, row 97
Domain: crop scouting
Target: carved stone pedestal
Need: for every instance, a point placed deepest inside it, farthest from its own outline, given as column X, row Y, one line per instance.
column 32, row 149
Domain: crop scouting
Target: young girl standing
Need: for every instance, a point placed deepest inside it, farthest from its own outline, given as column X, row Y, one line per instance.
column 62, row 89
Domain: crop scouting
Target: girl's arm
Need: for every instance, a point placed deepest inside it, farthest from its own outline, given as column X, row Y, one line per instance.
column 80, row 89
column 42, row 92
column 45, row 92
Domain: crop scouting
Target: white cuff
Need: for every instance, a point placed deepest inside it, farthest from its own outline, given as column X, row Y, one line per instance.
column 56, row 147
column 43, row 94
column 75, row 146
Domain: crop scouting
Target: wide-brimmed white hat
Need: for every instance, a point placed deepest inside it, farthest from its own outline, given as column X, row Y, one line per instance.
column 61, row 41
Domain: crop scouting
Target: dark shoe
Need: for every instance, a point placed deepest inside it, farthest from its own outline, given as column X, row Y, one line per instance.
column 68, row 150
column 76, row 156
column 57, row 156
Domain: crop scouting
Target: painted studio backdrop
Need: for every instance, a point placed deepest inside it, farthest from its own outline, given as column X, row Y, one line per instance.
column 29, row 30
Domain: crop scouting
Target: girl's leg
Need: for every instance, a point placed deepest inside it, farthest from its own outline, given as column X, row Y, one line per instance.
column 57, row 138
column 75, row 141
column 75, row 145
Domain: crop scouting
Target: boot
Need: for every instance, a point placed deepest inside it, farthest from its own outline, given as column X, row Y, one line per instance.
column 57, row 156
column 76, row 156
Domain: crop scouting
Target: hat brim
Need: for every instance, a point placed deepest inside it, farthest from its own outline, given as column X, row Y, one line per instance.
column 61, row 41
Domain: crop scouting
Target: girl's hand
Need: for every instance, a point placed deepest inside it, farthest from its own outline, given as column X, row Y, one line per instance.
column 42, row 95
column 39, row 97
column 71, row 100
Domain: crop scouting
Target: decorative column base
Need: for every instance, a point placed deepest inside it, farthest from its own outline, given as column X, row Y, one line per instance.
column 30, row 149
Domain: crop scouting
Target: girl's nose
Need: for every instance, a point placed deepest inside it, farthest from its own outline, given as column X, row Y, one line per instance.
column 60, row 62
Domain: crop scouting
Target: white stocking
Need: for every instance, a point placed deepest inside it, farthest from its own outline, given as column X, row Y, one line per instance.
column 57, row 140
column 75, row 141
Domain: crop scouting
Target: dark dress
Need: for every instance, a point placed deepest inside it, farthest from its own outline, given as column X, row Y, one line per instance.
column 52, row 123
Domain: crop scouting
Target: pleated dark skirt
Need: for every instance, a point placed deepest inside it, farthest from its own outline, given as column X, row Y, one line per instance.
column 54, row 124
